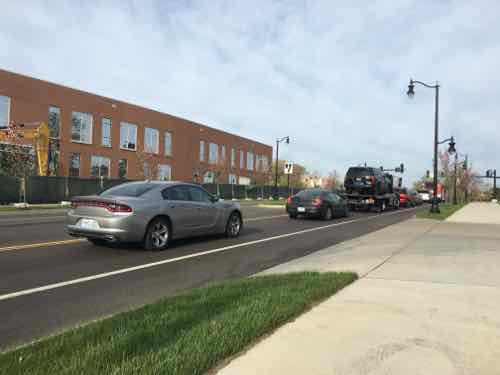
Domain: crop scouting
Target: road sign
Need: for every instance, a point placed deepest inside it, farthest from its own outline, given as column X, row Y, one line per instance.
column 288, row 168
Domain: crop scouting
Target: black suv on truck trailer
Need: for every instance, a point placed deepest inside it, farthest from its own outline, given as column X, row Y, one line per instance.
column 367, row 188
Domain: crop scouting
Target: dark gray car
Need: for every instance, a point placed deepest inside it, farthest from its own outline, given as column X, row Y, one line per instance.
column 152, row 212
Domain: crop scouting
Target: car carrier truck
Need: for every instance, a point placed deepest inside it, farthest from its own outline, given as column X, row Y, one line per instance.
column 368, row 188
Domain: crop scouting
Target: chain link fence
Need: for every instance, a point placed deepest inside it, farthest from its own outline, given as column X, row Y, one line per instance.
column 41, row 189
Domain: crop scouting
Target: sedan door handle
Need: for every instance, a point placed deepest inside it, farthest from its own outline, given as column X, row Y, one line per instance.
column 172, row 206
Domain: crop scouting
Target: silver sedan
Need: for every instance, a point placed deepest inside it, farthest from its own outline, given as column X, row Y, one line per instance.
column 153, row 213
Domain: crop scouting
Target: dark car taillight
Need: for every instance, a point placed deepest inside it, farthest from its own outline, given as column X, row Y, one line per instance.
column 289, row 200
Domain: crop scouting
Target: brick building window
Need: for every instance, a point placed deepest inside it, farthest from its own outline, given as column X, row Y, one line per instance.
column 81, row 127
column 202, row 150
column 128, row 136
column 151, row 140
column 74, row 165
column 4, row 111
column 242, row 159
column 223, row 153
column 168, row 143
column 54, row 122
column 233, row 157
column 250, row 161
column 122, row 168
column 164, row 172
column 213, row 153
column 99, row 166
column 106, row 132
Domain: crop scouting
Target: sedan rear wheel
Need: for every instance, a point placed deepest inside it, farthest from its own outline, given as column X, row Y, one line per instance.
column 158, row 235
column 233, row 226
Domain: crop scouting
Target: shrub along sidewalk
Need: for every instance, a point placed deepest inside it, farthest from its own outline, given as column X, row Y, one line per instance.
column 186, row 334
column 446, row 209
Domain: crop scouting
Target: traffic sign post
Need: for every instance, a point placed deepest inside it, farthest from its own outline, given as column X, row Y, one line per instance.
column 288, row 170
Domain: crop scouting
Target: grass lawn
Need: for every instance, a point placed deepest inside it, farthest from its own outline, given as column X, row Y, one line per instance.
column 186, row 334
column 445, row 208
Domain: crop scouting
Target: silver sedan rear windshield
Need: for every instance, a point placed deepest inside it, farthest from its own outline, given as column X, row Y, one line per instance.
column 128, row 190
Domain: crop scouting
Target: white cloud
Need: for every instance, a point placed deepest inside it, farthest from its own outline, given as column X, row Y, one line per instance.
column 332, row 75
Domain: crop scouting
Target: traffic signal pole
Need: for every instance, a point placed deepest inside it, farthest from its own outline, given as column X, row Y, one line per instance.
column 494, row 184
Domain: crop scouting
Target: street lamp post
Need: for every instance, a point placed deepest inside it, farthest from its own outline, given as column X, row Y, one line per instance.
column 411, row 86
column 278, row 141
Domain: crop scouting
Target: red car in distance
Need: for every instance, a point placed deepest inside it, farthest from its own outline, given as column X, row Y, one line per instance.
column 405, row 199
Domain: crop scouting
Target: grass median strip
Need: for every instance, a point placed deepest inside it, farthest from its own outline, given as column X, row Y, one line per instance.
column 446, row 211
column 186, row 334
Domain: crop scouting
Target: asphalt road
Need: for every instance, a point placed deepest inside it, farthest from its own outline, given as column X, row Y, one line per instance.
column 50, row 281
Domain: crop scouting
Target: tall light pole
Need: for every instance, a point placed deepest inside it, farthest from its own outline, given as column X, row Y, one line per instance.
column 278, row 141
column 411, row 86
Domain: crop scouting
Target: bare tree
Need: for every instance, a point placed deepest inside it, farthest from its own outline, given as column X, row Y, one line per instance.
column 332, row 181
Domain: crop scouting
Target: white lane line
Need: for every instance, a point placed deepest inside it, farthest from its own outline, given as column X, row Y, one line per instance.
column 181, row 258
column 30, row 220
column 263, row 218
column 32, row 245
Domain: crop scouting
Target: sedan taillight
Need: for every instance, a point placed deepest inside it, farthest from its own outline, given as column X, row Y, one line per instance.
column 111, row 207
column 289, row 200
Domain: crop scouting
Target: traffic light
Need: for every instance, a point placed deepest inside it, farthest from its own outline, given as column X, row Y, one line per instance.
column 488, row 173
column 402, row 168
column 451, row 148
column 465, row 165
column 427, row 173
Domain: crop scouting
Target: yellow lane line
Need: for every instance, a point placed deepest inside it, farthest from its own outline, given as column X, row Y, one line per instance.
column 39, row 244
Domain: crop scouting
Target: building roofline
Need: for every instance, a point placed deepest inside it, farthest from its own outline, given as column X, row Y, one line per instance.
column 117, row 101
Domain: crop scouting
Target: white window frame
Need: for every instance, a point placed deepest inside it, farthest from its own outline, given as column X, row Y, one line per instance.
column 223, row 153
column 79, row 163
column 73, row 113
column 128, row 126
column 233, row 179
column 233, row 157
column 9, row 103
column 213, row 146
column 110, row 124
column 101, row 158
column 202, row 150
column 168, row 134
column 51, row 111
column 161, row 167
column 250, row 160
column 126, row 168
column 148, row 136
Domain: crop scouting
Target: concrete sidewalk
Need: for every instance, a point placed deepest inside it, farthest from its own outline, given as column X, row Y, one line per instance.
column 427, row 302
column 477, row 213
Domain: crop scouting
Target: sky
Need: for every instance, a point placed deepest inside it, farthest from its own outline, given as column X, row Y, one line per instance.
column 332, row 75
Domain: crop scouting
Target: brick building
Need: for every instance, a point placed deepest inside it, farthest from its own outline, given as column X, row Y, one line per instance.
column 93, row 136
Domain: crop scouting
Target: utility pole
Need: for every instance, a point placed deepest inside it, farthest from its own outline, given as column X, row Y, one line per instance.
column 494, row 184
column 455, row 180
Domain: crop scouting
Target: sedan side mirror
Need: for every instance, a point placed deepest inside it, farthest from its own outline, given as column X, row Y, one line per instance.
column 215, row 198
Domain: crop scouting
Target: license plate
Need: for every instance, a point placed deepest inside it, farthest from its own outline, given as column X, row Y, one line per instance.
column 301, row 209
column 88, row 224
